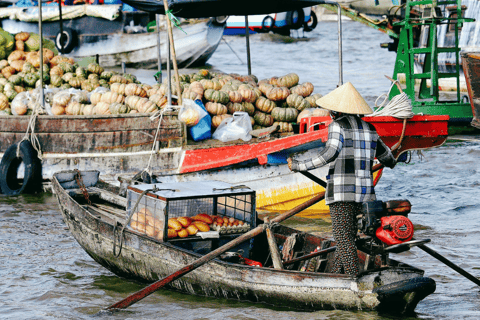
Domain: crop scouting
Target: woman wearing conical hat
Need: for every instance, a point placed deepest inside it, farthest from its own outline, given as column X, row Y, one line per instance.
column 350, row 150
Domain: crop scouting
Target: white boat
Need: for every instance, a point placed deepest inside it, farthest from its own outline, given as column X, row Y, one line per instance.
column 116, row 36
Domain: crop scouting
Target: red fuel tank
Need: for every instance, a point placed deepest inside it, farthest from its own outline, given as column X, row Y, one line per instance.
column 395, row 230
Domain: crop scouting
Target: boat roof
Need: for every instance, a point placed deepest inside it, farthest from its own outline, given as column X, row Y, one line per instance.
column 191, row 189
column 214, row 8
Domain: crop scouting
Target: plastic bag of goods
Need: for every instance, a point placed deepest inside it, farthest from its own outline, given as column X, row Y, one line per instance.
column 203, row 129
column 236, row 127
column 191, row 113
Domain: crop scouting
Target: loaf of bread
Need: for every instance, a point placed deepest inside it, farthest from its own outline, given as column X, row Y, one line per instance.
column 192, row 230
column 174, row 224
column 184, row 221
column 182, row 233
column 204, row 218
column 202, row 226
column 171, row 233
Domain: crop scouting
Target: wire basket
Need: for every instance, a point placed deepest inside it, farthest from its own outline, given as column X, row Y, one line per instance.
column 190, row 210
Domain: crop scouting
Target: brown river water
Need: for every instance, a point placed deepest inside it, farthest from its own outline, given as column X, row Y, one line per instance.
column 45, row 274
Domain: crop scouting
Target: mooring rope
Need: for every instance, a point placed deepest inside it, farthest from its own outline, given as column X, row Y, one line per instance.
column 157, row 115
column 30, row 134
column 399, row 107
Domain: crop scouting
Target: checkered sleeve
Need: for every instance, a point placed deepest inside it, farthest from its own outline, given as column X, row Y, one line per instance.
column 328, row 154
column 384, row 154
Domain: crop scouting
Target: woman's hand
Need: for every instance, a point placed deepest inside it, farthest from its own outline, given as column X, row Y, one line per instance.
column 289, row 163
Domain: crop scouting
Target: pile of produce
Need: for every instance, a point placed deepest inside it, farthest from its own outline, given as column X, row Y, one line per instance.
column 277, row 100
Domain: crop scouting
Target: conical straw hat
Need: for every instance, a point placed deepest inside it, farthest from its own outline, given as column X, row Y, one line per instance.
column 345, row 99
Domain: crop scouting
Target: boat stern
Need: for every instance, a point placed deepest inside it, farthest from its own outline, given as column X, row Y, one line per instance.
column 403, row 296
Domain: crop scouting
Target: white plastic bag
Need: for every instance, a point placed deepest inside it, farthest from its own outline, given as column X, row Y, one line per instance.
column 190, row 112
column 19, row 104
column 236, row 127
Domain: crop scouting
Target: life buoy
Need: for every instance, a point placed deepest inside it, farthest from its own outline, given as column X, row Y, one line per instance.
column 312, row 23
column 295, row 19
column 267, row 23
column 9, row 165
column 69, row 40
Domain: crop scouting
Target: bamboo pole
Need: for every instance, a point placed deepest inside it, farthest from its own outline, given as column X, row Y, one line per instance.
column 174, row 56
column 159, row 56
column 40, row 31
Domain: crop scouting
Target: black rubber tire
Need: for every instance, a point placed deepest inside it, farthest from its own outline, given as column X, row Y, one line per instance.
column 9, row 166
column 312, row 23
column 70, row 40
column 220, row 20
column 291, row 22
column 267, row 24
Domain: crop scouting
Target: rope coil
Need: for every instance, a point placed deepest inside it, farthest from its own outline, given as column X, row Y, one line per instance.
column 399, row 107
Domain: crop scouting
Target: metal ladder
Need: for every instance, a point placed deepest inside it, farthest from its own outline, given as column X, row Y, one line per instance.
column 427, row 16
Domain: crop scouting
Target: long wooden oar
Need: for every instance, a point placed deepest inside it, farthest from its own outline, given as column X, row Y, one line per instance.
column 438, row 256
column 137, row 296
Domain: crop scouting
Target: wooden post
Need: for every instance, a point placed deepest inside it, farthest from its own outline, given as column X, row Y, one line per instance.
column 276, row 259
column 159, row 56
column 247, row 37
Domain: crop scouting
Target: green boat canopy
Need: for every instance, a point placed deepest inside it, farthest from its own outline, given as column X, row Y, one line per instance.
column 215, row 8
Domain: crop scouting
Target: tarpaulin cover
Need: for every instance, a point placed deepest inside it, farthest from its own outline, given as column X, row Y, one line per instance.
column 30, row 14
column 214, row 8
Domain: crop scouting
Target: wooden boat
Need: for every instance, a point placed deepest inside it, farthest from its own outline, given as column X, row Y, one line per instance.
column 86, row 142
column 471, row 68
column 391, row 285
column 110, row 39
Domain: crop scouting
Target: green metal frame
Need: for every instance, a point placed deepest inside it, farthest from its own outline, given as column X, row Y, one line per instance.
column 428, row 100
column 356, row 16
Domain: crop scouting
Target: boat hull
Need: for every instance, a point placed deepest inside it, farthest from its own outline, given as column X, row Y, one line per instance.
column 143, row 258
column 471, row 68
column 86, row 142
column 107, row 40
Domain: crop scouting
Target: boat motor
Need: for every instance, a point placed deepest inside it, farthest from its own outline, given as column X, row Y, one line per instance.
column 386, row 224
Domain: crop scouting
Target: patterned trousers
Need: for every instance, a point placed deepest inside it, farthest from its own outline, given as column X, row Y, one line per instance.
column 345, row 227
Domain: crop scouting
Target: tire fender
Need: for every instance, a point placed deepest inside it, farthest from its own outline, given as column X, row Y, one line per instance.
column 70, row 40
column 268, row 23
column 290, row 19
column 312, row 23
column 9, row 166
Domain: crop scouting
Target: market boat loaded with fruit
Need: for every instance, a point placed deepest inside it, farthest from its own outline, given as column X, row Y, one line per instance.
column 98, row 119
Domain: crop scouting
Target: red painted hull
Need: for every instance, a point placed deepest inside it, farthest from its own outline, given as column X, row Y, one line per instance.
column 421, row 132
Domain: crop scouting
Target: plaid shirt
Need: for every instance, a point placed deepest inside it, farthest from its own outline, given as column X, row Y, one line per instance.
column 351, row 147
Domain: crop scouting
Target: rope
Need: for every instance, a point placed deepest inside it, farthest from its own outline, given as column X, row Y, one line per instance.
column 30, row 134
column 269, row 225
column 158, row 114
column 399, row 107
column 127, row 222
